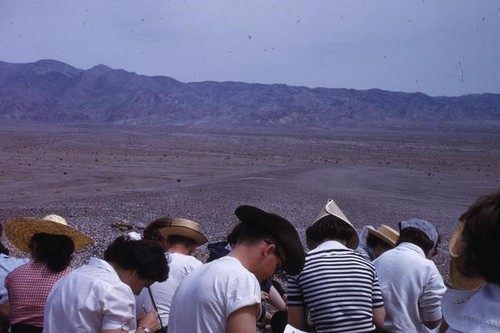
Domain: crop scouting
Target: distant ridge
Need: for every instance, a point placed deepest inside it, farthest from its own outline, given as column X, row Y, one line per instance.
column 52, row 91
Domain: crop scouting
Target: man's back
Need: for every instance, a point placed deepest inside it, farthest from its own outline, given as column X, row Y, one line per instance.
column 412, row 288
column 209, row 294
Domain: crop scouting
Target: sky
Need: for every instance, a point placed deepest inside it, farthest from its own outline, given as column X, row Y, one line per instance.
column 438, row 47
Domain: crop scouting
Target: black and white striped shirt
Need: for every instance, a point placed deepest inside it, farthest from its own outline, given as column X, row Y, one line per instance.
column 339, row 288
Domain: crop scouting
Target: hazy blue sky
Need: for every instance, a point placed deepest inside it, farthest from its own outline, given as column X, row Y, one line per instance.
column 440, row 47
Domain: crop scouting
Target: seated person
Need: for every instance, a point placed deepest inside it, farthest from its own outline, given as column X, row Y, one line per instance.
column 373, row 242
column 475, row 246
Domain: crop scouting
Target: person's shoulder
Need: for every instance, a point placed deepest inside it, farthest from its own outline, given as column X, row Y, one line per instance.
column 20, row 268
column 9, row 263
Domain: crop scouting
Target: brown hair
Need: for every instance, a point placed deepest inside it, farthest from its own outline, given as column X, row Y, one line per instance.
column 417, row 237
column 328, row 227
column 481, row 235
column 152, row 231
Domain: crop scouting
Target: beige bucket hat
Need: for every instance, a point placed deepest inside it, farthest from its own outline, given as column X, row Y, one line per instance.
column 331, row 208
column 20, row 230
column 185, row 228
column 386, row 234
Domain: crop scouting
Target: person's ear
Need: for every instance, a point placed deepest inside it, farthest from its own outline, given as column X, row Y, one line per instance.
column 269, row 248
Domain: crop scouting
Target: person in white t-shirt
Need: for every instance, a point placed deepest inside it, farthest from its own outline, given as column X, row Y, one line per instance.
column 224, row 295
column 99, row 297
column 411, row 284
column 182, row 237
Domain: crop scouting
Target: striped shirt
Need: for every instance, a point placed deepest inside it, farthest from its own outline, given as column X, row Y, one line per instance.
column 339, row 288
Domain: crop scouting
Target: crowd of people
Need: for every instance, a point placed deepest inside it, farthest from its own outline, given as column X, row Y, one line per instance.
column 380, row 280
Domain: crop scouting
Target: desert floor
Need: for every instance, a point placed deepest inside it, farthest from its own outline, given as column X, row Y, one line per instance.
column 103, row 179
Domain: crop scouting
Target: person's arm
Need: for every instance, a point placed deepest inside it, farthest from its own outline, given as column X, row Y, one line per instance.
column 379, row 316
column 149, row 321
column 297, row 317
column 243, row 320
column 276, row 300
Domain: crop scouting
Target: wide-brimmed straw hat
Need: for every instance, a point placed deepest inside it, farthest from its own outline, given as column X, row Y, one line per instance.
column 185, row 228
column 456, row 247
column 386, row 234
column 331, row 208
column 20, row 230
column 282, row 230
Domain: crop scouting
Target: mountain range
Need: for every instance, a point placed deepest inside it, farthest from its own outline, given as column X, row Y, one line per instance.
column 53, row 91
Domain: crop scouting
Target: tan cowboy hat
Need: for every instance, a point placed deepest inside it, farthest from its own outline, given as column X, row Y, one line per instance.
column 20, row 230
column 456, row 248
column 185, row 228
column 331, row 208
column 385, row 233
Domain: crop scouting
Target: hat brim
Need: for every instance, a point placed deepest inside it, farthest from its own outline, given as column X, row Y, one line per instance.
column 199, row 238
column 455, row 245
column 282, row 230
column 382, row 237
column 20, row 230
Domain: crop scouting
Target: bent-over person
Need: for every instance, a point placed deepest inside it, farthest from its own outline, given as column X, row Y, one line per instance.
column 224, row 295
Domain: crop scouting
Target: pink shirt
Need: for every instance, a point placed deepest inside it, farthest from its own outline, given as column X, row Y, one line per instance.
column 29, row 286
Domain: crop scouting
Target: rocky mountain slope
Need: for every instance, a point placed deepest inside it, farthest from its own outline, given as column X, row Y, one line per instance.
column 52, row 91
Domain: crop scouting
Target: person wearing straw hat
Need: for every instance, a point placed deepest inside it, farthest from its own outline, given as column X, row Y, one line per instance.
column 51, row 243
column 410, row 281
column 99, row 297
column 338, row 286
column 374, row 242
column 183, row 237
column 224, row 295
column 475, row 247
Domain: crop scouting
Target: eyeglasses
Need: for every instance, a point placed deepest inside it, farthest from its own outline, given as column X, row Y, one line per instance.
column 277, row 253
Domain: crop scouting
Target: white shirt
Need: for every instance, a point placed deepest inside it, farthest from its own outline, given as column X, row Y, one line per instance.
column 7, row 265
column 208, row 295
column 89, row 299
column 476, row 311
column 411, row 286
column 180, row 265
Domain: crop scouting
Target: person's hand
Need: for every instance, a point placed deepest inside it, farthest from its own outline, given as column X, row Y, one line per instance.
column 150, row 320
column 264, row 296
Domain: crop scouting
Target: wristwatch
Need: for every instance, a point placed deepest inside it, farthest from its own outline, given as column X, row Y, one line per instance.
column 145, row 329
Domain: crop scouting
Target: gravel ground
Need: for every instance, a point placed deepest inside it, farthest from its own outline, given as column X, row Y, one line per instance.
column 108, row 181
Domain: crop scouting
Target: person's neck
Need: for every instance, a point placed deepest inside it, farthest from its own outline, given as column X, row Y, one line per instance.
column 124, row 274
column 249, row 257
column 179, row 248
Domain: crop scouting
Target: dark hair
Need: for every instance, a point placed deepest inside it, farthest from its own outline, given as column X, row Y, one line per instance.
column 232, row 238
column 373, row 241
column 145, row 256
column 417, row 237
column 3, row 249
column 152, row 231
column 186, row 241
column 250, row 233
column 481, row 236
column 56, row 251
column 327, row 228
